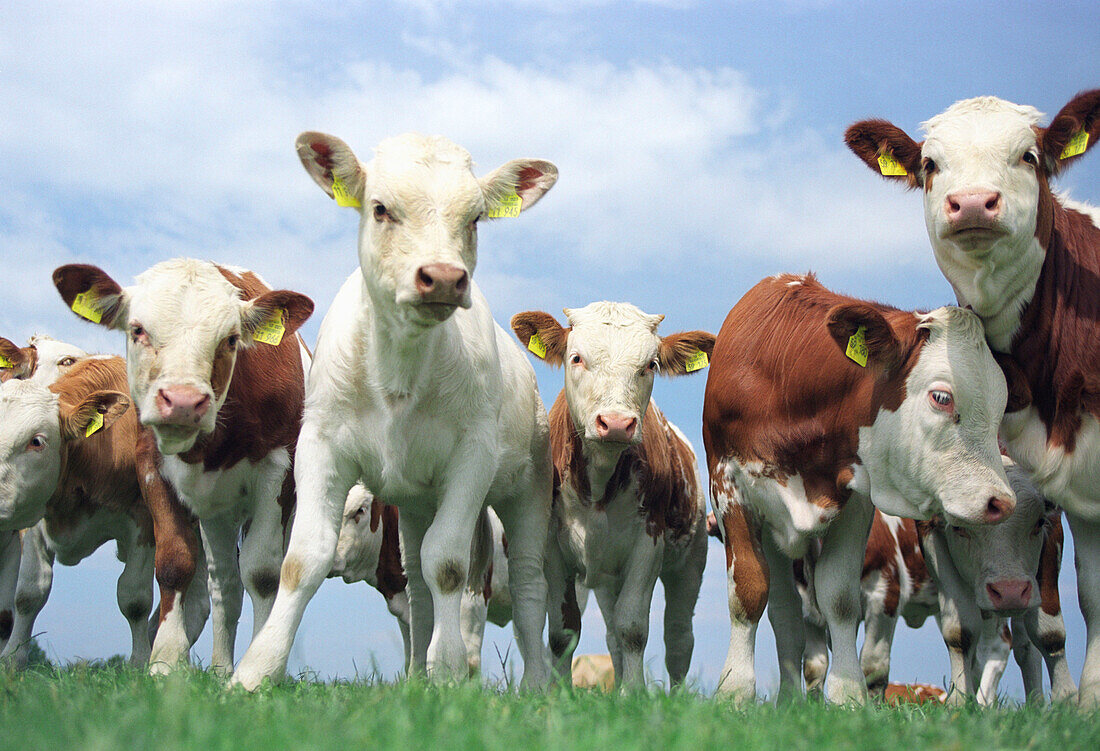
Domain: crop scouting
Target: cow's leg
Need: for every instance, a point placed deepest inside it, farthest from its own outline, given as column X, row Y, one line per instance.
column 785, row 614
column 874, row 657
column 1086, row 545
column 991, row 658
column 605, row 598
column 135, row 593
column 747, row 588
column 836, row 581
column 1029, row 661
column 632, row 607
column 681, row 587
column 9, row 579
column 219, row 539
column 398, row 605
column 323, row 480
column 262, row 554
column 1047, row 632
column 421, row 612
column 959, row 618
column 31, row 593
column 474, row 611
column 815, row 660
column 563, row 612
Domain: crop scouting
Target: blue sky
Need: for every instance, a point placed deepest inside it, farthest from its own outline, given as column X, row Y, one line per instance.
column 699, row 144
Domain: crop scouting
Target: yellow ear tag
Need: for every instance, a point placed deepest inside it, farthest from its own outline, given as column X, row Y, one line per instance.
column 1076, row 145
column 95, row 424
column 6, row 363
column 271, row 331
column 888, row 165
column 341, row 194
column 698, row 361
column 84, row 306
column 536, row 345
column 857, row 347
column 507, row 208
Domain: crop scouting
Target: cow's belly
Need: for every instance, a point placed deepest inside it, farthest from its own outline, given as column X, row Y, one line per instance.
column 72, row 543
column 1072, row 480
column 791, row 518
column 232, row 490
column 598, row 543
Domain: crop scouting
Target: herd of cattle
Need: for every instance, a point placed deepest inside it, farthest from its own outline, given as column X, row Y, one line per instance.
column 865, row 462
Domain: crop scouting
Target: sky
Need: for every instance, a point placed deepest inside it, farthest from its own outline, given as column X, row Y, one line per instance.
column 699, row 146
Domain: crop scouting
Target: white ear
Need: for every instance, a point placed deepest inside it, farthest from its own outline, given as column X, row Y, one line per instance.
column 527, row 178
column 327, row 159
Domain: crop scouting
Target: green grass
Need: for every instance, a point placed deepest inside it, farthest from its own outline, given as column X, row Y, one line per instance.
column 112, row 707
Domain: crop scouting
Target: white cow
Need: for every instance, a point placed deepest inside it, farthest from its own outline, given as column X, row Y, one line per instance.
column 416, row 391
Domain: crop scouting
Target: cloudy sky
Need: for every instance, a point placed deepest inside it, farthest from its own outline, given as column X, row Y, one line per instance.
column 699, row 144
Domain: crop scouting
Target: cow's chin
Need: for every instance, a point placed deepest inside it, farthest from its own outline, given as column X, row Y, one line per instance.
column 431, row 313
column 175, row 439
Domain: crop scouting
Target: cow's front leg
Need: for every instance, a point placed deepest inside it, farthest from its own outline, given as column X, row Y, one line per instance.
column 681, row 586
column 785, row 615
column 323, row 479
column 1086, row 545
column 10, row 552
column 959, row 618
column 262, row 550
column 31, row 593
column 836, row 580
column 632, row 606
column 219, row 540
column 421, row 612
column 135, row 592
column 747, row 587
column 991, row 659
column 1047, row 632
column 878, row 639
column 562, row 611
column 1028, row 659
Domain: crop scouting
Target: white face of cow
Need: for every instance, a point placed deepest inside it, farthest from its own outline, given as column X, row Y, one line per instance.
column 1001, row 560
column 54, row 358
column 358, row 547
column 30, row 452
column 937, row 453
column 420, row 204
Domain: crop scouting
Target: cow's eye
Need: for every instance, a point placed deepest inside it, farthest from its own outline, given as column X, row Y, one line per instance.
column 942, row 400
column 357, row 515
column 652, row 366
column 929, row 166
column 1040, row 525
column 65, row 362
column 963, row 533
column 576, row 359
column 380, row 213
column 138, row 333
column 1030, row 158
column 37, row 443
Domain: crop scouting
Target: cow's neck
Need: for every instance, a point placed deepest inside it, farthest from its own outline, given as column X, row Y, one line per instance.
column 403, row 355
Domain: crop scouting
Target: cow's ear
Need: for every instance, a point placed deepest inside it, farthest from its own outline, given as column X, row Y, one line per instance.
column 864, row 335
column 685, row 352
column 887, row 149
column 96, row 412
column 333, row 166
column 273, row 315
column 15, row 361
column 542, row 335
column 1073, row 131
column 92, row 294
column 517, row 186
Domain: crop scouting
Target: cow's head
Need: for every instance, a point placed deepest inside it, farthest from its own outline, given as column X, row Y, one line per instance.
column 985, row 168
column 360, row 538
column 932, row 447
column 185, row 324
column 611, row 352
column 1002, row 560
column 37, row 420
column 420, row 205
column 43, row 359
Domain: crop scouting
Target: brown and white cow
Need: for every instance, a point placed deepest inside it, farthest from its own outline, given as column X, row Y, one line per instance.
column 816, row 405
column 913, row 693
column 628, row 504
column 217, row 377
column 1027, row 262
column 75, row 481
column 419, row 394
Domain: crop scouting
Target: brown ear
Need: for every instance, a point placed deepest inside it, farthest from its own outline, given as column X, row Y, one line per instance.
column 92, row 294
column 871, row 140
column 96, row 412
column 551, row 335
column 845, row 320
column 1019, row 392
column 326, row 159
column 679, row 353
column 1073, row 131
column 297, row 308
column 15, row 361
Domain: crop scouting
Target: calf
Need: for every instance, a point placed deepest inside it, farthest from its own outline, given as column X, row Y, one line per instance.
column 368, row 550
column 1028, row 263
column 628, row 504
column 418, row 393
column 217, row 377
column 817, row 405
column 61, row 465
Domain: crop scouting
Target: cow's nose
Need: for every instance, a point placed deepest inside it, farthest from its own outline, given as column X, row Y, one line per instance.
column 441, row 282
column 998, row 509
column 1009, row 594
column 182, row 405
column 614, row 427
column 973, row 209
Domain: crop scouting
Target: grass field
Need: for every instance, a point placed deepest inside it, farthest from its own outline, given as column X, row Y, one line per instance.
column 102, row 707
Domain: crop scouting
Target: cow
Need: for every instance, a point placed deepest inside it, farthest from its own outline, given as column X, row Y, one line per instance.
column 369, row 550
column 417, row 392
column 913, row 693
column 594, row 671
column 816, row 406
column 74, row 483
column 1027, row 262
column 217, row 377
column 628, row 504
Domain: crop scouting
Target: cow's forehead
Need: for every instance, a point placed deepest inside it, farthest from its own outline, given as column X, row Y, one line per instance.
column 956, row 348
column 983, row 120
column 24, row 403
column 183, row 290
column 50, row 349
column 413, row 151
column 607, row 328
column 621, row 315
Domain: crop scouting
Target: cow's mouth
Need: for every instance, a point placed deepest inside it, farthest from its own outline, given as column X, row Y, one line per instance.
column 436, row 311
column 976, row 233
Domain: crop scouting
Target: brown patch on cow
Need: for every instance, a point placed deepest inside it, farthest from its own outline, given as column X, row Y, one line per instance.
column 677, row 349
column 1080, row 113
column 912, row 555
column 75, row 278
column 914, row 693
column 265, row 583
column 290, row 575
column 1050, row 565
column 1006, row 635
column 552, row 334
column 745, row 558
column 869, row 139
column 7, row 621
column 632, row 639
column 487, row 588
column 24, row 360
column 375, row 514
column 570, row 610
column 390, row 572
column 881, row 556
column 450, row 576
column 956, row 637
